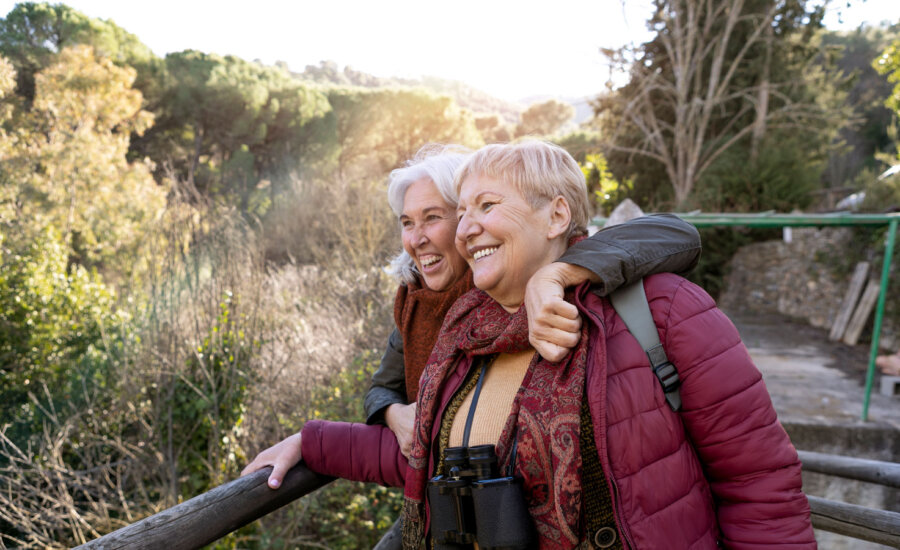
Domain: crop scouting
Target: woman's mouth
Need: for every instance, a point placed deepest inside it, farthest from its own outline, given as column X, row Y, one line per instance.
column 429, row 260
column 477, row 255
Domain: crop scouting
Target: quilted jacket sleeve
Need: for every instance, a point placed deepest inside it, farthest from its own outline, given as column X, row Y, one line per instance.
column 357, row 452
column 751, row 465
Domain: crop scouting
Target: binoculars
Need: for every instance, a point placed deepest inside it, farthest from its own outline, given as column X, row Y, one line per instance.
column 471, row 503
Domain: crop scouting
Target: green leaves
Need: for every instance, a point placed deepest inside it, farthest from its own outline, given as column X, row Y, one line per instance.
column 889, row 63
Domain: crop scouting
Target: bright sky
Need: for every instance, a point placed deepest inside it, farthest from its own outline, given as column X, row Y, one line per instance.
column 509, row 48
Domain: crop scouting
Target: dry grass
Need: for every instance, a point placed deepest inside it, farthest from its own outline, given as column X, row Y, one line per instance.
column 219, row 360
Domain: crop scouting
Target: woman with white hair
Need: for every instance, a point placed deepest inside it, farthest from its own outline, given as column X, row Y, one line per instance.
column 601, row 458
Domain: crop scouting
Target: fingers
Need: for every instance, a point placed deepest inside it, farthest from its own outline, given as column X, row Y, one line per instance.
column 550, row 352
column 279, row 470
column 405, row 445
column 557, row 307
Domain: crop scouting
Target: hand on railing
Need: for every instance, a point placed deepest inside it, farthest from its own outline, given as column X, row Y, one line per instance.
column 281, row 457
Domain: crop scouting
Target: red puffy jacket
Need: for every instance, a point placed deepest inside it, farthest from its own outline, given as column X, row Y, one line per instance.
column 722, row 470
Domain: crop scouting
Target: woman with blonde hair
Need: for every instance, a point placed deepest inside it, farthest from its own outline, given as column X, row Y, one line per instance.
column 433, row 276
column 602, row 459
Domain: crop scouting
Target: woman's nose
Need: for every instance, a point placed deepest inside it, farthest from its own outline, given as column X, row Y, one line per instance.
column 418, row 236
column 466, row 228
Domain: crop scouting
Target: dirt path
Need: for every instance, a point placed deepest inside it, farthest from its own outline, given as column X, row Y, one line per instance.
column 811, row 379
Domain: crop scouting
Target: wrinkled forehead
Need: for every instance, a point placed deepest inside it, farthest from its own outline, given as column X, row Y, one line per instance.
column 477, row 185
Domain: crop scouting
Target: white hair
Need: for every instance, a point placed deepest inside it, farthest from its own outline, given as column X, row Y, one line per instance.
column 439, row 164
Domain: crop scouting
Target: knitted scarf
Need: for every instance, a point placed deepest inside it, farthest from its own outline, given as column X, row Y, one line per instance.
column 419, row 313
column 545, row 415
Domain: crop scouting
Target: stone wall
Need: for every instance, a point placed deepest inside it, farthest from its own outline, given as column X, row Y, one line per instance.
column 798, row 279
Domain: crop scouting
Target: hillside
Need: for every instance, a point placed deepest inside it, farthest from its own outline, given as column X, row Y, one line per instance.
column 467, row 97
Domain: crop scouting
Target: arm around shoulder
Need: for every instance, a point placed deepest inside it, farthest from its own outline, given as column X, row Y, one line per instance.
column 624, row 253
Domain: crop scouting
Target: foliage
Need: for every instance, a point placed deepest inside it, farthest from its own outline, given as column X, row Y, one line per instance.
column 782, row 177
column 888, row 63
column 65, row 163
column 492, row 129
column 604, row 189
column 544, row 119
column 379, row 129
column 56, row 327
column 226, row 126
column 882, row 195
column 33, row 34
column 717, row 75
column 471, row 99
column 868, row 133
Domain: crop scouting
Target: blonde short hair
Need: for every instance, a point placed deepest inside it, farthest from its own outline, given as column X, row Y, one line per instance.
column 539, row 170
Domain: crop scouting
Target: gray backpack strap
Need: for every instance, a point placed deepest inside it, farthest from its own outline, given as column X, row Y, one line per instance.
column 630, row 302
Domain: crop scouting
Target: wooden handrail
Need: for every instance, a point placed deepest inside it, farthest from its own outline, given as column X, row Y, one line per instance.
column 208, row 517
column 212, row 515
column 853, row 520
column 860, row 469
column 856, row 521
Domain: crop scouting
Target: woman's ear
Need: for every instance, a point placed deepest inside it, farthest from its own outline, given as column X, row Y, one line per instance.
column 560, row 217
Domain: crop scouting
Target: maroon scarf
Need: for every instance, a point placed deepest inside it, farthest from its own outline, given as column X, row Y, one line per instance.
column 546, row 415
column 419, row 313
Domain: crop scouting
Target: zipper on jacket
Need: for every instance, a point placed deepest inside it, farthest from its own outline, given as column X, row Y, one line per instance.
column 611, row 482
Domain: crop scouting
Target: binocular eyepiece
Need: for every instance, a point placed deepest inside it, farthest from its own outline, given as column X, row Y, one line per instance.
column 472, row 503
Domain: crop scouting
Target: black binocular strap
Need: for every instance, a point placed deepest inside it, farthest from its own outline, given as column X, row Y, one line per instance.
column 470, row 417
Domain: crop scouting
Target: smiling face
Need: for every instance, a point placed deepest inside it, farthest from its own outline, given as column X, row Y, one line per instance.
column 428, row 227
column 504, row 239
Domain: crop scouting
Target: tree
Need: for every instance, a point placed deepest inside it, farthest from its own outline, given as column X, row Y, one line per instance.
column 65, row 163
column 32, row 34
column 544, row 119
column 226, row 124
column 888, row 63
column 716, row 75
column 377, row 129
column 868, row 135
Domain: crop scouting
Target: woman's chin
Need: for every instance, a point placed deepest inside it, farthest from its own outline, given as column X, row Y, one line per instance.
column 436, row 281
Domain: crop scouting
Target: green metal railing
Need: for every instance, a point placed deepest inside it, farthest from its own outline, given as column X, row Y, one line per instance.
column 772, row 219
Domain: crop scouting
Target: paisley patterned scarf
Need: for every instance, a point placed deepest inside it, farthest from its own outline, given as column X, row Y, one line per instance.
column 545, row 415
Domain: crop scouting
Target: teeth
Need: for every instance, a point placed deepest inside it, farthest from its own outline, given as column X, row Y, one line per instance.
column 484, row 252
column 428, row 260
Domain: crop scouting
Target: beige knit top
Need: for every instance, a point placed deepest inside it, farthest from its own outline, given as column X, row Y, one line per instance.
column 501, row 383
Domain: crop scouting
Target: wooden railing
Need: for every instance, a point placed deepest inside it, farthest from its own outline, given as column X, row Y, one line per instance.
column 208, row 517
column 855, row 521
column 212, row 515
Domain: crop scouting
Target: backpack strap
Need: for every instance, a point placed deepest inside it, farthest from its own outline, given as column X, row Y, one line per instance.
column 630, row 302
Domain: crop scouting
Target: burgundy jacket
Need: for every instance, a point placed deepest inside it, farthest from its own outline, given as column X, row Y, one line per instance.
column 721, row 470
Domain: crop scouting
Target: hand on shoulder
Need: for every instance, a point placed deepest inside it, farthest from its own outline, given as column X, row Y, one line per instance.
column 554, row 326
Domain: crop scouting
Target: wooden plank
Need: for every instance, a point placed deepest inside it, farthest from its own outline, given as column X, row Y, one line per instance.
column 861, row 315
column 212, row 515
column 850, row 300
column 856, row 521
column 860, row 469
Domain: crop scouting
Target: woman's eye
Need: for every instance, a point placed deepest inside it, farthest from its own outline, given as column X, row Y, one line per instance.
column 487, row 205
column 406, row 224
